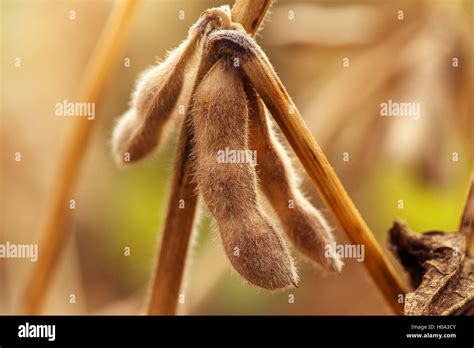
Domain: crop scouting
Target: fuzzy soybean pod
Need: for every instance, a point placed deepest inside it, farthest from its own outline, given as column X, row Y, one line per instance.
column 220, row 121
column 304, row 225
column 140, row 129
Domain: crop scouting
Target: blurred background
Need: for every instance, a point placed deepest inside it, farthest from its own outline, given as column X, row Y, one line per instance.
column 339, row 60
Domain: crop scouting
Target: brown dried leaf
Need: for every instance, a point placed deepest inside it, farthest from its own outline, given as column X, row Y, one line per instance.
column 440, row 267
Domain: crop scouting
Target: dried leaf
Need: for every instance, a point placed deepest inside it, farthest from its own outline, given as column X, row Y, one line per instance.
column 439, row 266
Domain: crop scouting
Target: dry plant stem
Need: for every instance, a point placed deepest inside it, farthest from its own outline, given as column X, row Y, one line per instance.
column 176, row 233
column 178, row 226
column 274, row 94
column 250, row 13
column 304, row 225
column 261, row 75
column 54, row 231
column 467, row 220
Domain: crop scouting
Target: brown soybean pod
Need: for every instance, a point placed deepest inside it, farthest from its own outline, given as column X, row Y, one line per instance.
column 304, row 225
column 140, row 129
column 220, row 121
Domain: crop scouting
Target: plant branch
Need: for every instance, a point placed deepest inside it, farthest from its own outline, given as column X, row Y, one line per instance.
column 264, row 79
column 176, row 232
column 250, row 13
column 54, row 231
column 467, row 221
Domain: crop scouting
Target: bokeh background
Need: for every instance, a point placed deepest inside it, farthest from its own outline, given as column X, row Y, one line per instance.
column 390, row 159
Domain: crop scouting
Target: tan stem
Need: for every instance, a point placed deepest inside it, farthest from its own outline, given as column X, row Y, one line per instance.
column 269, row 87
column 166, row 284
column 250, row 13
column 176, row 233
column 467, row 220
column 54, row 232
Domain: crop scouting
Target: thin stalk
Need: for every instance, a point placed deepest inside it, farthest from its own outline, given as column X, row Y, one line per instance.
column 177, row 231
column 467, row 220
column 324, row 179
column 250, row 13
column 54, row 231
column 166, row 284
